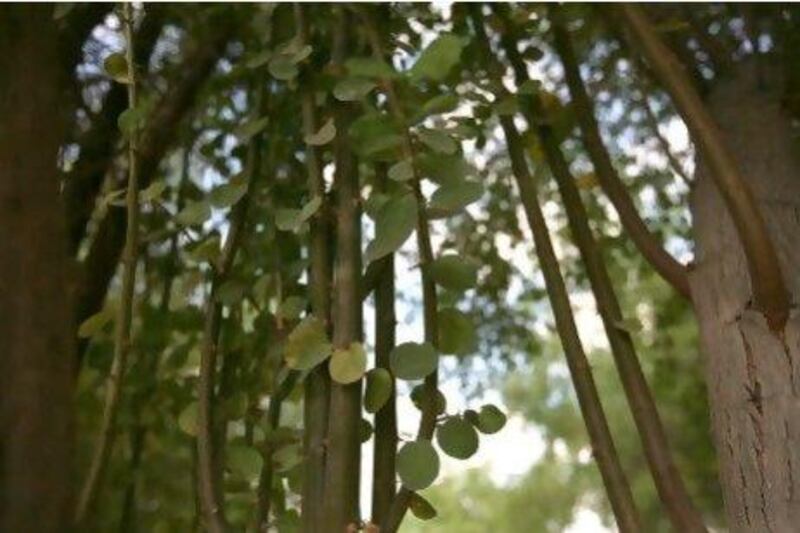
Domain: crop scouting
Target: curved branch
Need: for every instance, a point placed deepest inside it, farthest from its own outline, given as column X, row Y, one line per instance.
column 124, row 318
column 669, row 269
column 605, row 453
column 770, row 295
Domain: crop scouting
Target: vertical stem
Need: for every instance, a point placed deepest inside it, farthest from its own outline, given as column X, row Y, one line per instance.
column 605, row 453
column 770, row 294
column 669, row 269
column 384, row 475
column 317, row 384
column 430, row 304
column 122, row 340
column 211, row 497
column 342, row 467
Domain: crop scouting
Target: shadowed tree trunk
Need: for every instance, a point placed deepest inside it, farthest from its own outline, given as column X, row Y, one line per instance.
column 36, row 350
column 753, row 373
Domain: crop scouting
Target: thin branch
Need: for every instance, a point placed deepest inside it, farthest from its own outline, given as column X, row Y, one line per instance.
column 207, row 473
column 605, row 453
column 649, row 246
column 122, row 340
column 652, row 122
column 770, row 295
column 159, row 133
column 343, row 461
column 385, row 446
column 671, row 490
column 430, row 304
column 317, row 384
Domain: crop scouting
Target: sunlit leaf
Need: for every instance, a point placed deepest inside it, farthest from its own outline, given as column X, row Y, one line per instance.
column 307, row 345
column 436, row 61
column 369, row 67
column 348, row 364
column 324, row 135
column 96, row 323
column 153, row 191
column 230, row 193
column 187, row 420
column 116, row 66
column 194, row 213
column 401, row 171
column 379, row 389
column 352, row 89
column 283, row 67
column 250, row 128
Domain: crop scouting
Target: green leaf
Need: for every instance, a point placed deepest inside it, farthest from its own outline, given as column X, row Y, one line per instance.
column 630, row 325
column 230, row 193
column 456, row 333
column 310, row 208
column 438, row 141
column 375, row 135
column 420, row 507
column 352, row 89
column 529, row 87
column 457, row 438
column 244, row 461
column 307, row 345
column 348, row 364
column 287, row 457
column 394, row 224
column 231, row 292
column 258, row 60
column 195, row 213
column 379, row 389
column 250, row 128
column 187, row 420
column 293, row 219
column 454, row 196
column 401, row 171
column 443, row 168
column 365, row 431
column 454, row 272
column 442, row 103
column 325, row 134
column 116, row 66
column 95, row 323
column 436, row 61
column 412, row 361
column 419, row 395
column 130, row 121
column 206, row 251
column 507, row 106
column 375, row 203
column 153, row 191
column 417, row 465
column 369, row 67
column 282, row 67
column 490, row 419
column 292, row 307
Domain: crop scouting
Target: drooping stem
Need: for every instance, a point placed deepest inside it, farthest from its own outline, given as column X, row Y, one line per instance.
column 207, row 475
column 430, row 304
column 384, row 471
column 124, row 318
column 669, row 269
column 603, row 447
column 317, row 384
column 343, row 460
column 770, row 295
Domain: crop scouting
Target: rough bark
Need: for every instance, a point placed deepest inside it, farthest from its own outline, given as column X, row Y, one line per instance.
column 36, row 351
column 753, row 374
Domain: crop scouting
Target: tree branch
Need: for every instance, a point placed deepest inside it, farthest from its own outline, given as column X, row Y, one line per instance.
column 122, row 340
column 605, row 453
column 669, row 269
column 770, row 295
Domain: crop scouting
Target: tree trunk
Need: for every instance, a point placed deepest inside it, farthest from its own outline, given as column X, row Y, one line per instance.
column 36, row 345
column 753, row 374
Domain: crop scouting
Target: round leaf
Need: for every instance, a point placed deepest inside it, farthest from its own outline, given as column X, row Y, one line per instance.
column 457, row 438
column 187, row 420
column 348, row 364
column 419, row 395
column 456, row 333
column 438, row 58
column 352, row 89
column 411, row 360
column 420, row 507
column 454, row 272
column 379, row 389
column 417, row 465
column 116, row 66
column 244, row 461
column 365, row 431
column 369, row 67
column 490, row 419
column 438, row 141
column 401, row 171
column 282, row 67
column 229, row 193
column 195, row 213
column 307, row 345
